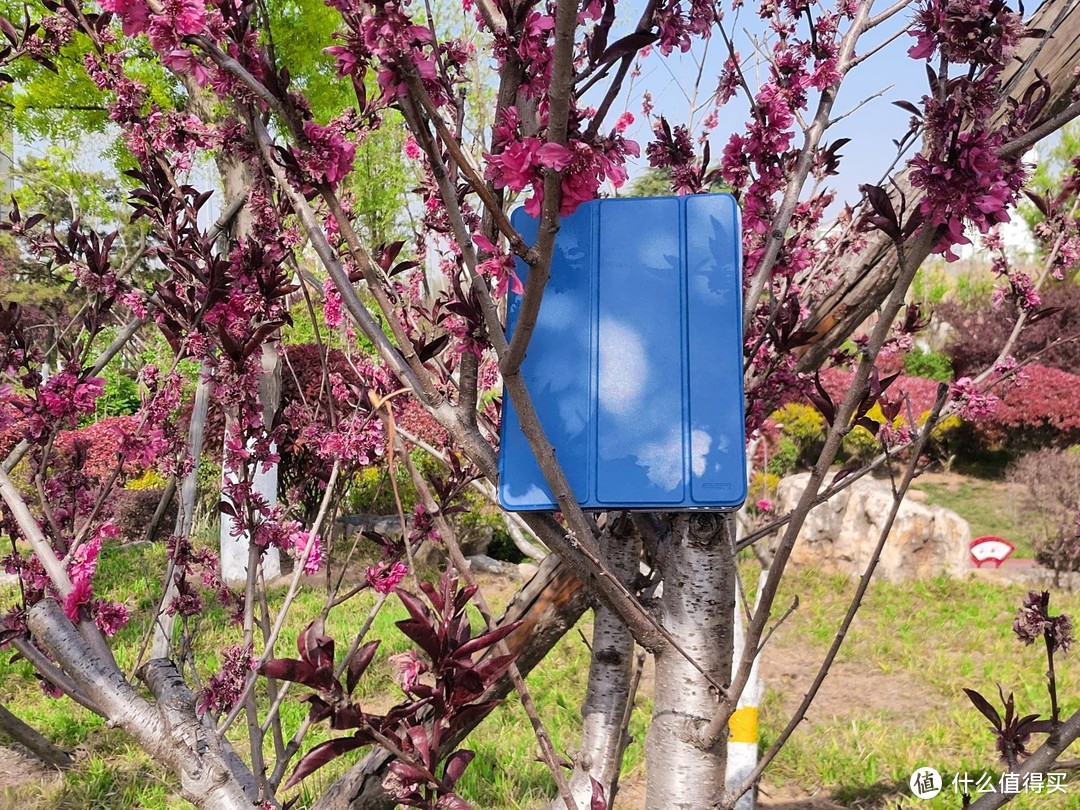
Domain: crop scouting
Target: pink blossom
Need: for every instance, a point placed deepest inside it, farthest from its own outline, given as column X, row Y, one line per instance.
column 134, row 14
column 300, row 542
column 225, row 687
column 764, row 505
column 330, row 154
column 79, row 595
column 412, row 148
column 385, row 577
column 182, row 60
column 110, row 617
column 84, row 560
column 974, row 405
column 408, row 667
column 554, row 156
column 499, row 267
column 331, row 304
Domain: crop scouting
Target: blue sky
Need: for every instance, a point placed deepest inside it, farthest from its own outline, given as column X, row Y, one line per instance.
column 871, row 128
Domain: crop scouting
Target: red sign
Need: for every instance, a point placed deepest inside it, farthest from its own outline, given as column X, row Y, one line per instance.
column 990, row 549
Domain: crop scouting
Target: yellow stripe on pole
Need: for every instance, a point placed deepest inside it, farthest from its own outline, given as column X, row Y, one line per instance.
column 743, row 725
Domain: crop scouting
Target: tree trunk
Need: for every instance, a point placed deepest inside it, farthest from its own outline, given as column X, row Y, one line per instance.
column 610, row 672
column 211, row 776
column 185, row 515
column 32, row 740
column 867, row 277
column 234, row 550
column 697, row 606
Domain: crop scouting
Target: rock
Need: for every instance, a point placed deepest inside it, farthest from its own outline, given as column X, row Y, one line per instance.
column 527, row 571
column 840, row 535
column 484, row 564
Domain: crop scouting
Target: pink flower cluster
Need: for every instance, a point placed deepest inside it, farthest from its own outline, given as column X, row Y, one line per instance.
column 383, row 577
column 109, row 617
column 329, row 154
column 976, row 32
column 227, row 684
column 499, row 266
column 66, row 395
column 973, row 403
column 519, row 162
column 300, row 542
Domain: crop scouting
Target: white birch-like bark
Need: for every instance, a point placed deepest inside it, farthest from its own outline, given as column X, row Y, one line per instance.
column 234, row 550
column 210, row 774
column 610, row 673
column 698, row 568
column 163, row 627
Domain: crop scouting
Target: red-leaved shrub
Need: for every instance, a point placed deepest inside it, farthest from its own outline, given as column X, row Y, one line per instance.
column 980, row 332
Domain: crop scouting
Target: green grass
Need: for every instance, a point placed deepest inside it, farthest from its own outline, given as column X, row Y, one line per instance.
column 936, row 637
column 986, row 505
column 939, row 637
column 113, row 774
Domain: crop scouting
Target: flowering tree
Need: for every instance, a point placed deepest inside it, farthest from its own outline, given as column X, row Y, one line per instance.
column 559, row 70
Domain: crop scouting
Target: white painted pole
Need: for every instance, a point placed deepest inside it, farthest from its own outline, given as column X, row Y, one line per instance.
column 742, row 753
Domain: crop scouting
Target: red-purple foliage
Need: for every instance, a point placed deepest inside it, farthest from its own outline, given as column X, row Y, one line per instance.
column 979, row 333
column 919, row 391
column 1042, row 411
column 98, row 446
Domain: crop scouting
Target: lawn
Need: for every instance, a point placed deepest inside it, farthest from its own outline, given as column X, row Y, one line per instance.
column 893, row 703
column 987, row 504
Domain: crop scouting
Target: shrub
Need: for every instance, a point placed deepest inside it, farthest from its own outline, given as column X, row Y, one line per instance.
column 928, row 364
column 1050, row 505
column 98, row 445
column 763, row 487
column 121, row 395
column 860, row 445
column 1038, row 413
column 133, row 510
column 801, row 429
column 980, row 332
column 784, row 458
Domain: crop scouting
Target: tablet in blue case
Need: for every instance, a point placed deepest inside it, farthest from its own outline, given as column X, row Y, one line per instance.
column 635, row 366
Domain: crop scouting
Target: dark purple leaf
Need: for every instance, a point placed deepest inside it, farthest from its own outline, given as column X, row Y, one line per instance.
column 423, row 634
column 487, row 639
column 320, row 755
column 433, row 348
column 628, row 45
column 822, row 401
column 417, row 609
column 9, row 30
column 289, row 669
column 983, row 705
column 845, row 471
column 907, row 106
column 1039, row 200
column 320, row 709
column 346, row 717
column 598, row 43
column 456, row 764
column 421, row 744
column 358, row 663
column 451, row 801
column 598, row 801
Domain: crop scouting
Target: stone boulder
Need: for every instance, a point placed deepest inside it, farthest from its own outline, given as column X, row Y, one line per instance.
column 840, row 535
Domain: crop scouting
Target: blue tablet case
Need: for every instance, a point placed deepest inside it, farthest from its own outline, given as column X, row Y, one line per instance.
column 635, row 366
